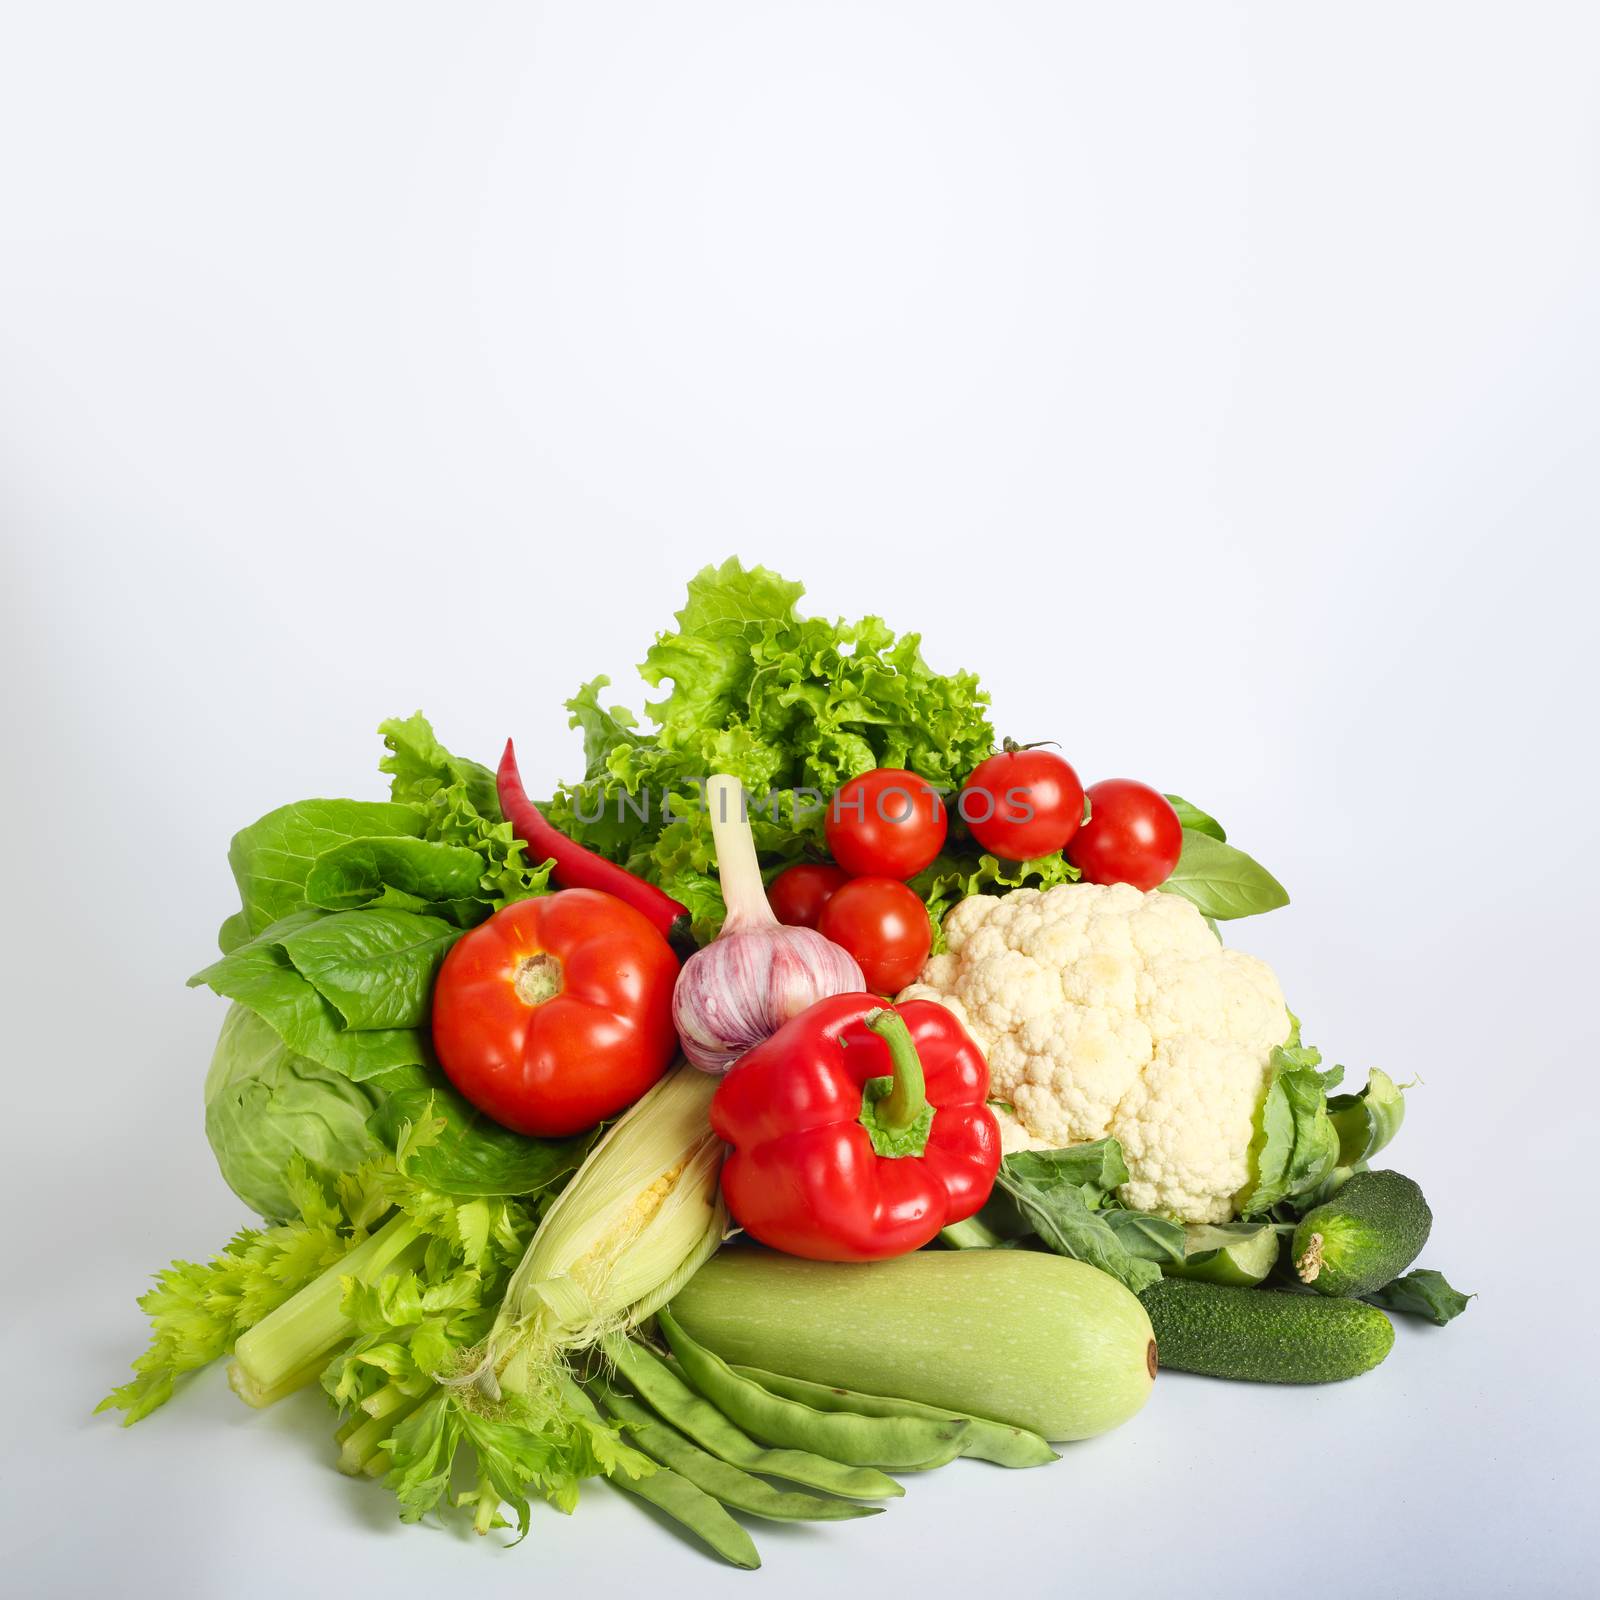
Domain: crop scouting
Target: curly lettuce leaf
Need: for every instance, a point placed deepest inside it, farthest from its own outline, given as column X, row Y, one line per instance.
column 963, row 870
column 460, row 807
column 787, row 704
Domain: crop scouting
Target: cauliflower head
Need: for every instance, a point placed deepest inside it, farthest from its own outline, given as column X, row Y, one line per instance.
column 1105, row 1010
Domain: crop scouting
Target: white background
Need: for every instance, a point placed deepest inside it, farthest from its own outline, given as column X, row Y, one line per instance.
column 1218, row 381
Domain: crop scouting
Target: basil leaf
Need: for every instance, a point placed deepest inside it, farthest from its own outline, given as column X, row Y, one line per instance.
column 1222, row 881
column 272, row 858
column 471, row 1156
column 1422, row 1293
column 375, row 967
column 1193, row 818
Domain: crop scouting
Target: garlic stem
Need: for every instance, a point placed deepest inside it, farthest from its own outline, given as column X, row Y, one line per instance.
column 743, row 892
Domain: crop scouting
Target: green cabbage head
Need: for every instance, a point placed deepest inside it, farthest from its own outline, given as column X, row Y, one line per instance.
column 265, row 1104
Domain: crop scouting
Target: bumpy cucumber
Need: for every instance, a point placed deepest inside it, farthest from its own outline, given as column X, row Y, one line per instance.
column 1264, row 1335
column 1364, row 1237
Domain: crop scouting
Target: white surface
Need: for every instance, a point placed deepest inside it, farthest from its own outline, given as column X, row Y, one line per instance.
column 1220, row 382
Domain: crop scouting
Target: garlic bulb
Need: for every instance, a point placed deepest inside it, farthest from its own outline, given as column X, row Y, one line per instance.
column 757, row 973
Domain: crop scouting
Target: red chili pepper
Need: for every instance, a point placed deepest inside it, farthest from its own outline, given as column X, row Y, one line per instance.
column 858, row 1130
column 577, row 867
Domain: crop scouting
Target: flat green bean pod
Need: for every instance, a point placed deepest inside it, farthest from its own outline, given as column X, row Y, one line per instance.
column 998, row 1442
column 696, row 1510
column 688, row 1506
column 911, row 1443
column 731, row 1485
column 672, row 1399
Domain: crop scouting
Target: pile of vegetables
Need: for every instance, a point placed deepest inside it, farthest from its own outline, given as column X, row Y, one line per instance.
column 816, row 1089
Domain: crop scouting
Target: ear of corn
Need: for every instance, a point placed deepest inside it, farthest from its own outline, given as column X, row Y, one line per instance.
column 642, row 1214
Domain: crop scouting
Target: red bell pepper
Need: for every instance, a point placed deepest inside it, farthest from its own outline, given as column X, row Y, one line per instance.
column 858, row 1130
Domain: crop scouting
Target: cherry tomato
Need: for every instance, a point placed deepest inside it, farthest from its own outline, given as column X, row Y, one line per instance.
column 556, row 1012
column 798, row 894
column 884, row 926
column 1022, row 803
column 888, row 823
column 1132, row 836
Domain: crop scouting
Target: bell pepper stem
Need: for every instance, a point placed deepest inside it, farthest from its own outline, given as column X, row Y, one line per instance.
column 906, row 1102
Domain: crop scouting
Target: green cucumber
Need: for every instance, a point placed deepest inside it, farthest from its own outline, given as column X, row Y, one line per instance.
column 1264, row 1335
column 1364, row 1237
column 1016, row 1336
column 1232, row 1254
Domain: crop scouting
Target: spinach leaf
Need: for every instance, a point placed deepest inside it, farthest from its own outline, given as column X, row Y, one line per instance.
column 1193, row 818
column 272, row 858
column 356, row 872
column 260, row 975
column 375, row 967
column 1422, row 1293
column 470, row 1156
column 1222, row 881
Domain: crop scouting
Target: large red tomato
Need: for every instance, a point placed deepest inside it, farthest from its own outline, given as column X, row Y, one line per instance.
column 888, row 823
column 556, row 1012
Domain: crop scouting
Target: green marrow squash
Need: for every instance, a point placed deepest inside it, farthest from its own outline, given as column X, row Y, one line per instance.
column 1015, row 1336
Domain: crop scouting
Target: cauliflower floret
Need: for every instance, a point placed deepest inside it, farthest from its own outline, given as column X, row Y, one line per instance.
column 1104, row 1010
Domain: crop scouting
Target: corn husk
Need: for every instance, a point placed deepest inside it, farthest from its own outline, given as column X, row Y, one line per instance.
column 643, row 1213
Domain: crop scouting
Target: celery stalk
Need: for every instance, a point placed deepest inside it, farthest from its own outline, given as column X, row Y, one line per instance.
column 252, row 1395
column 290, row 1346
column 365, row 1443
